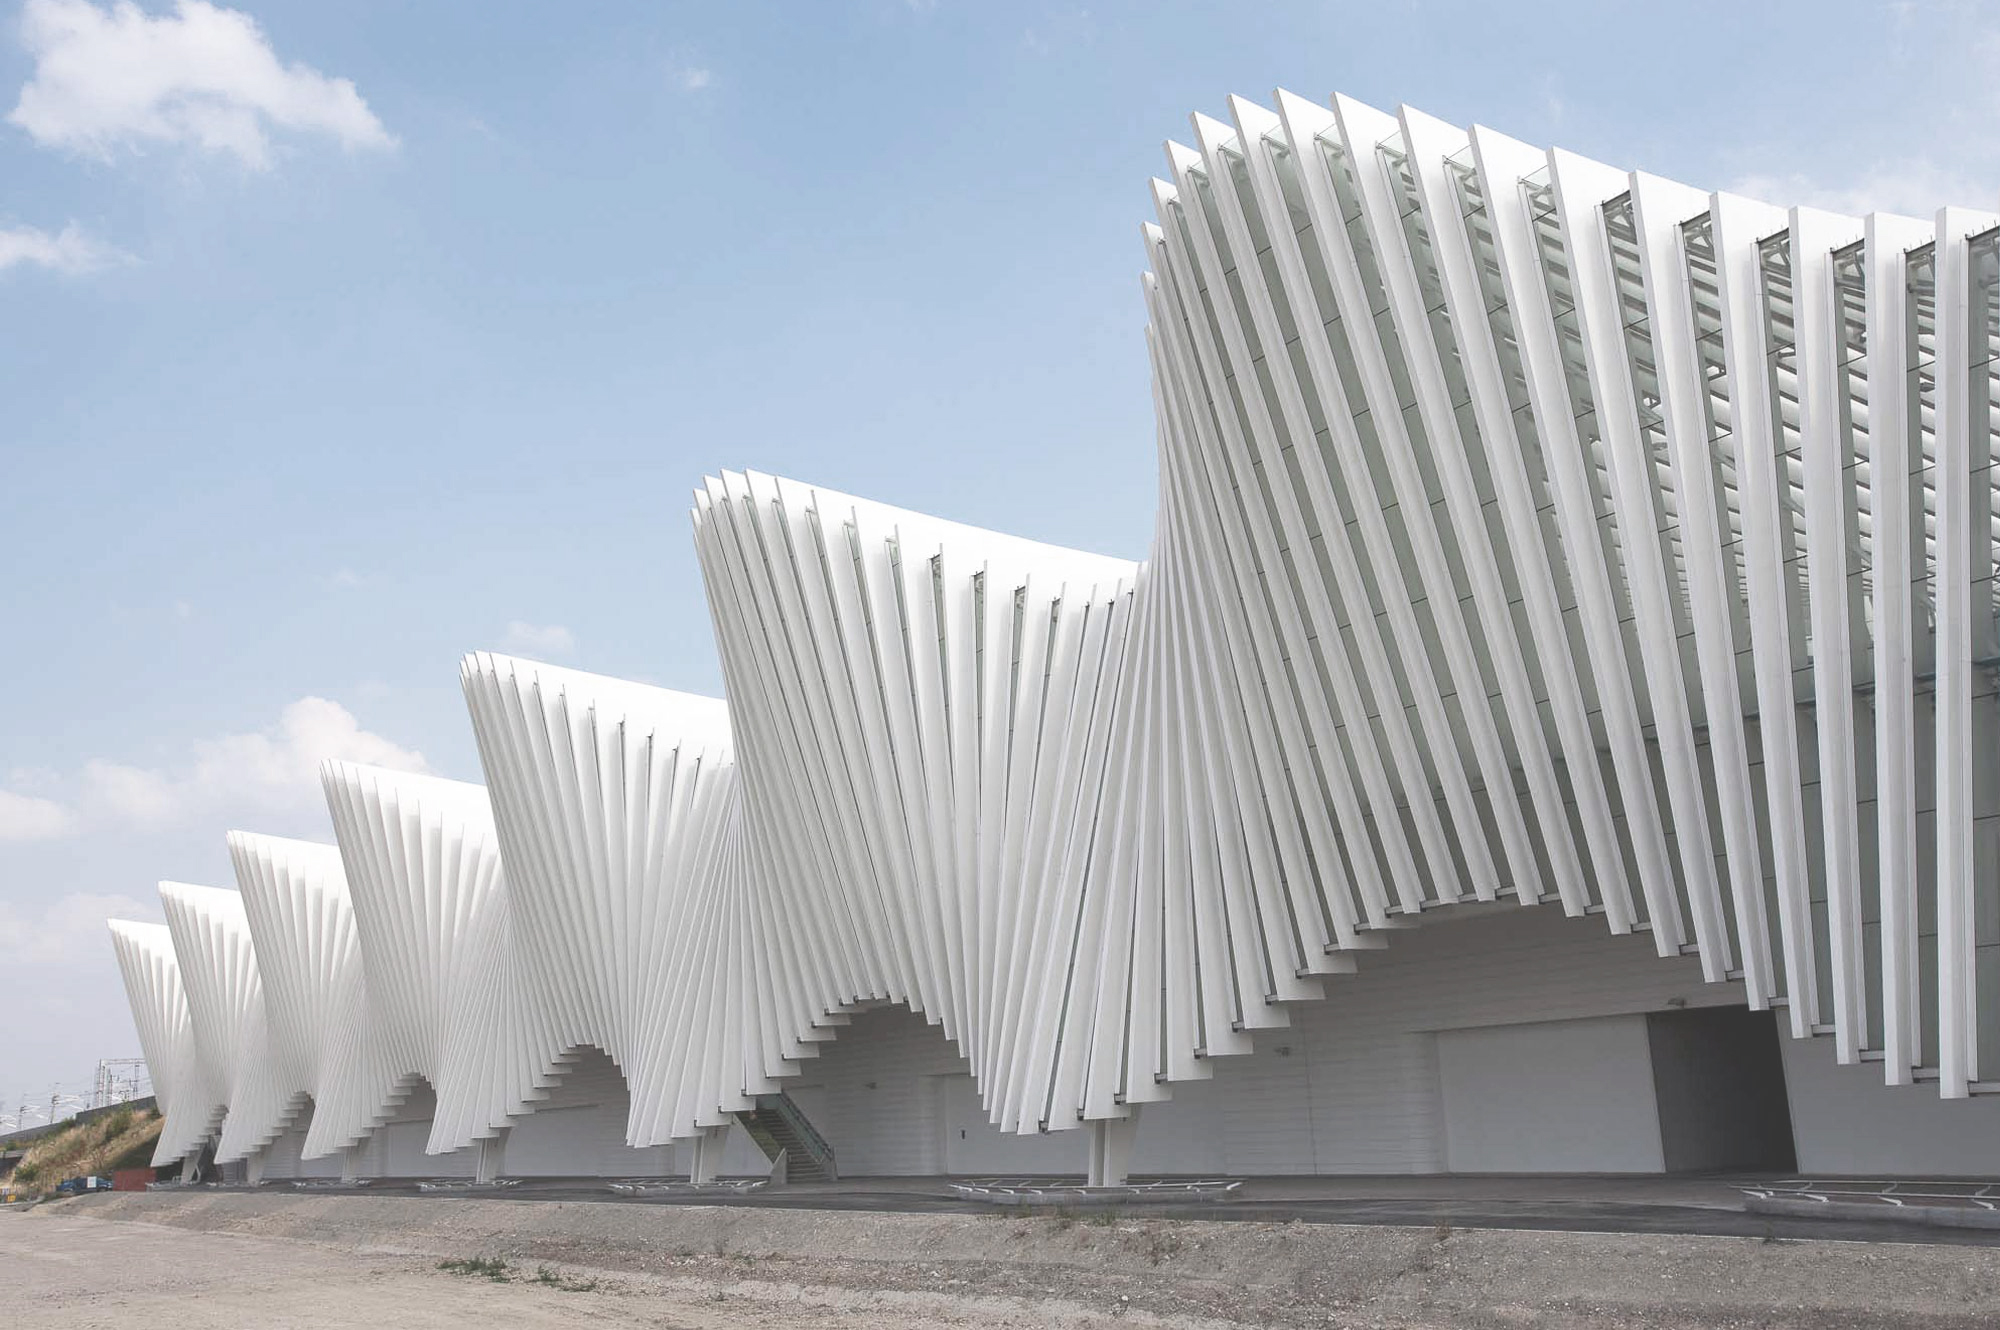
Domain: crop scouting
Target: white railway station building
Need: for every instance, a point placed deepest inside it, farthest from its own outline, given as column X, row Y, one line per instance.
column 1555, row 729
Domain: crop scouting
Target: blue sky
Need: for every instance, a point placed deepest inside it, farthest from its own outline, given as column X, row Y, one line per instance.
column 308, row 388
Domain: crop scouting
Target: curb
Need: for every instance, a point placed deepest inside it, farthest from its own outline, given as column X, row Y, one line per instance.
column 1934, row 1216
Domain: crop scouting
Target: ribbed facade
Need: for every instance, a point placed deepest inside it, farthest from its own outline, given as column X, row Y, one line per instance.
column 1529, row 531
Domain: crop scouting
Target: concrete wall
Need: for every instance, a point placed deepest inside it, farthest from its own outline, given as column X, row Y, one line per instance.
column 396, row 1149
column 892, row 1096
column 1845, row 1121
column 577, row 1131
column 1354, row 1086
column 1497, row 1038
column 580, row 1128
column 281, row 1156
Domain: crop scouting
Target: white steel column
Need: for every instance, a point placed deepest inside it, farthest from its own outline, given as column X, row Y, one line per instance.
column 1738, row 226
column 1659, row 209
column 1821, row 379
column 1959, row 530
column 1111, row 1148
column 706, row 1153
column 490, row 1160
column 1892, row 457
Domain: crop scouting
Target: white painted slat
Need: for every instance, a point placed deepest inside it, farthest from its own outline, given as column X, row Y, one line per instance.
column 1739, row 225
column 1503, row 165
column 1581, row 189
column 1890, row 464
column 1814, row 238
column 1482, row 366
column 1962, row 529
column 1660, row 208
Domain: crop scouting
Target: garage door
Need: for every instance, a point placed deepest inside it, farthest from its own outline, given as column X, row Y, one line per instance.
column 1550, row 1097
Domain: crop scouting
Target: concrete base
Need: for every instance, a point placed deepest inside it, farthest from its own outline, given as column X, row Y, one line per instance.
column 1111, row 1148
column 1878, row 1212
column 491, row 1159
column 707, row 1154
column 1010, row 1191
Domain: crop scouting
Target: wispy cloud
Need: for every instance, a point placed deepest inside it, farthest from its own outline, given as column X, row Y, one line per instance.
column 689, row 75
column 25, row 817
column 118, row 77
column 67, row 926
column 67, row 251
column 534, row 640
column 1552, row 98
column 1934, row 146
column 274, row 770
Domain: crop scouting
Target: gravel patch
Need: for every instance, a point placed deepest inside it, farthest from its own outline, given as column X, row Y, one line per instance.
column 1079, row 1269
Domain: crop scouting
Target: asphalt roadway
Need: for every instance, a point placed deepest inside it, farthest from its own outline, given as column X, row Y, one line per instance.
column 1710, row 1206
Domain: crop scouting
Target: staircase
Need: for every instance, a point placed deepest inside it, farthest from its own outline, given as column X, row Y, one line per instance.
column 781, row 1131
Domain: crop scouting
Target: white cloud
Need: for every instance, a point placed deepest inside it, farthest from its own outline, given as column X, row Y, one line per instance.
column 129, row 794
column 119, row 77
column 67, row 927
column 343, row 579
column 273, row 768
column 67, row 251
column 528, row 639
column 29, row 817
column 1912, row 186
column 693, row 78
column 270, row 771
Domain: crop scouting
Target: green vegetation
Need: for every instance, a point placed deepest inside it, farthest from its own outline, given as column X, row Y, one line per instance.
column 484, row 1267
column 121, row 1139
column 554, row 1279
column 500, row 1272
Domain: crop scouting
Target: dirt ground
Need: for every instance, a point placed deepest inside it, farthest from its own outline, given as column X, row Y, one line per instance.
column 231, row 1259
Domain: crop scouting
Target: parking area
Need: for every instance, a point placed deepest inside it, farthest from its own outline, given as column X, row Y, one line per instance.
column 1721, row 1205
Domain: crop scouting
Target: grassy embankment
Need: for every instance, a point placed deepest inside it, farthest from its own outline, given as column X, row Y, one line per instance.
column 123, row 1139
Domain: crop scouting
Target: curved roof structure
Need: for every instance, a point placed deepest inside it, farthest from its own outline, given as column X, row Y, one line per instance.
column 434, row 922
column 152, row 975
column 1530, row 531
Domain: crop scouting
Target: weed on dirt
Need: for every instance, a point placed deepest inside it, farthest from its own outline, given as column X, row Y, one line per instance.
column 483, row 1267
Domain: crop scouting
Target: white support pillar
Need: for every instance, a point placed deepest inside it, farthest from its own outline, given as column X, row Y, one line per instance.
column 253, row 1168
column 708, row 1149
column 1111, row 1148
column 1964, row 534
column 350, row 1164
column 191, row 1166
column 492, row 1157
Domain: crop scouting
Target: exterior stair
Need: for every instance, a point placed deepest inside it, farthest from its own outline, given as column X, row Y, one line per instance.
column 782, row 1132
